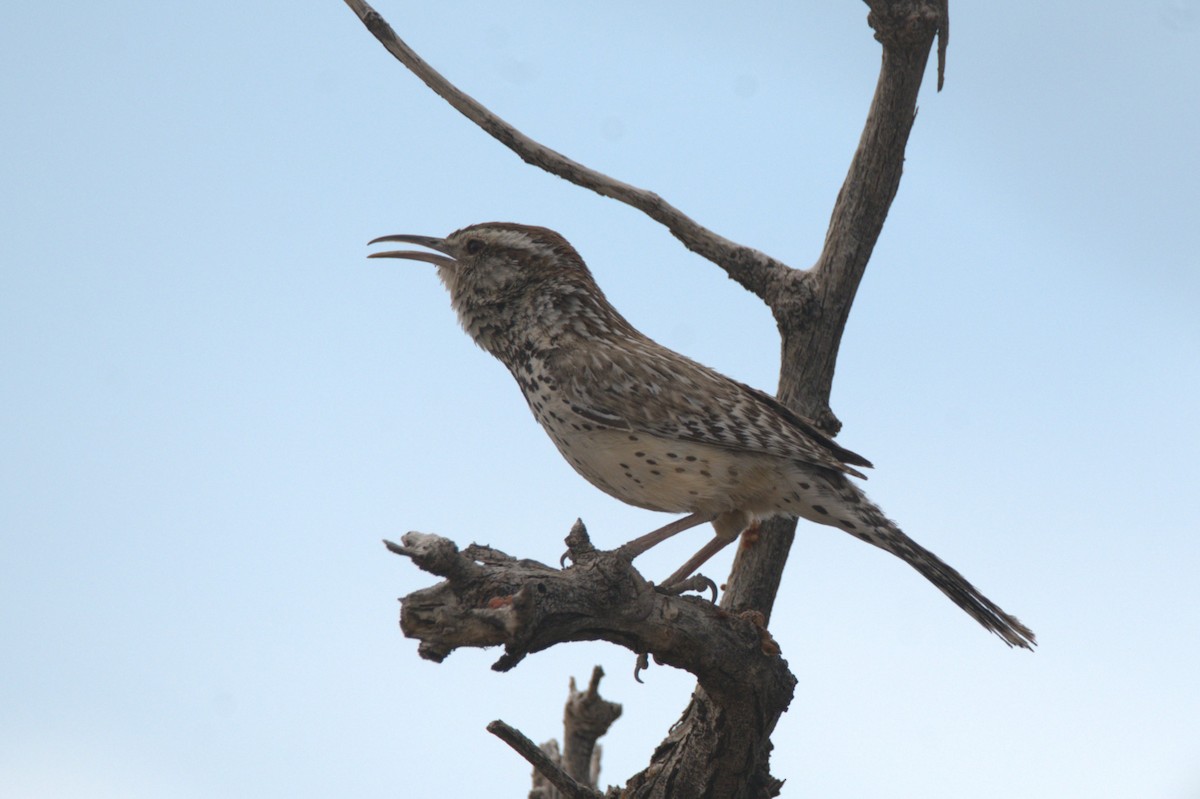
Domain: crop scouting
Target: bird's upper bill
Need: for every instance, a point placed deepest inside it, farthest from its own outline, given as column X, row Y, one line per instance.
column 417, row 255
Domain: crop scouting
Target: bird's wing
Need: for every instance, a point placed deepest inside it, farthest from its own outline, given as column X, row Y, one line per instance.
column 642, row 387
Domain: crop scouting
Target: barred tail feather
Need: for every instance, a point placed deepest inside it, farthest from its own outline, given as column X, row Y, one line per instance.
column 955, row 586
column 849, row 509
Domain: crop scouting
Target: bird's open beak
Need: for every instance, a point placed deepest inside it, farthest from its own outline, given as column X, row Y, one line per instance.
column 416, row 255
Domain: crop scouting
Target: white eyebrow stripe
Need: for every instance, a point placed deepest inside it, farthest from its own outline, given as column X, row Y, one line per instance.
column 519, row 239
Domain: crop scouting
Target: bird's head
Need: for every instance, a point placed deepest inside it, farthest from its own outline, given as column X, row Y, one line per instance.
column 508, row 282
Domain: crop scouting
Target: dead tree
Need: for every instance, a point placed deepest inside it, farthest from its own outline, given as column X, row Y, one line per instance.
column 721, row 745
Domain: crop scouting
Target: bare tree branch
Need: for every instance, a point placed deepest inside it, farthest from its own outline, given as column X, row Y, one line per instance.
column 753, row 270
column 490, row 599
column 812, row 314
column 586, row 718
column 811, row 317
column 527, row 749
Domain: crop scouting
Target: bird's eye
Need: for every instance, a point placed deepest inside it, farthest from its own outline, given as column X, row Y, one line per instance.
column 474, row 246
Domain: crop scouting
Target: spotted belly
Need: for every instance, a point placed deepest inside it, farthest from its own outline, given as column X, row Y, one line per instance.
column 681, row 476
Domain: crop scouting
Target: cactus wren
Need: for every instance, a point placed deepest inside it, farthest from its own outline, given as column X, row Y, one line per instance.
column 652, row 427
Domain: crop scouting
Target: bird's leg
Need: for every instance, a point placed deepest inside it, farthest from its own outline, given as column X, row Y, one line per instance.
column 714, row 546
column 640, row 544
column 729, row 526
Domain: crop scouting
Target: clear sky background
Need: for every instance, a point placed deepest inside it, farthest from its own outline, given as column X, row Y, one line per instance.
column 214, row 407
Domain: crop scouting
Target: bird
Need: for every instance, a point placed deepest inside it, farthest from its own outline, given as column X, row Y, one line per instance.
column 654, row 428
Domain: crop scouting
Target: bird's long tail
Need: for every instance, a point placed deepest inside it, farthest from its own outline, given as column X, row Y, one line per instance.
column 851, row 511
column 958, row 588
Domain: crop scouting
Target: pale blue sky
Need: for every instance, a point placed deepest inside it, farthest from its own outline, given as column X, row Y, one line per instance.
column 214, row 407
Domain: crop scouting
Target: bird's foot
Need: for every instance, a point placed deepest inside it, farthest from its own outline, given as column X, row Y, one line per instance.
column 697, row 582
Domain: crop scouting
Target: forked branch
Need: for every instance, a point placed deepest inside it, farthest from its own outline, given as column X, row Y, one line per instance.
column 811, row 306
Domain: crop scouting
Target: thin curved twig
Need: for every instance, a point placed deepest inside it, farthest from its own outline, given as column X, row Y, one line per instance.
column 758, row 273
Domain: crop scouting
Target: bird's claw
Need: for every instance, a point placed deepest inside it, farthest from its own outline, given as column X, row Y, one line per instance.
column 697, row 582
